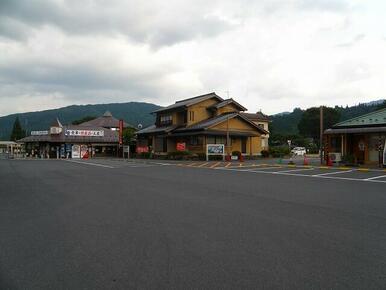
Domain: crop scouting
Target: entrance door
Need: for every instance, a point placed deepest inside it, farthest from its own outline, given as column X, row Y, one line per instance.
column 359, row 149
column 244, row 145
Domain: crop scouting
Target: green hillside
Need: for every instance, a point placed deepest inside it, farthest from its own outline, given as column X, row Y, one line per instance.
column 133, row 113
column 287, row 123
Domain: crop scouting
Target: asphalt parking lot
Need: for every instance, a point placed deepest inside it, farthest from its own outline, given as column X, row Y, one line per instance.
column 112, row 224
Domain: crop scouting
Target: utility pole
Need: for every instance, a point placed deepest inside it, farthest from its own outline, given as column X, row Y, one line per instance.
column 228, row 141
column 321, row 135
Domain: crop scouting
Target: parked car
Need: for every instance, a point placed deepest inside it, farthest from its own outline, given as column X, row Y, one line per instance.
column 298, row 151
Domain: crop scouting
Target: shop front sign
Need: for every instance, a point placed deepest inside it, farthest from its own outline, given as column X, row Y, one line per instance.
column 85, row 133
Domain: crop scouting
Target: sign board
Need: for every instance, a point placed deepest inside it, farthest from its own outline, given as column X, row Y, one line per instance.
column 142, row 149
column 83, row 151
column 55, row 130
column 181, row 146
column 120, row 132
column 384, row 154
column 75, row 152
column 39, row 133
column 361, row 146
column 215, row 149
column 85, row 133
column 68, row 148
column 126, row 149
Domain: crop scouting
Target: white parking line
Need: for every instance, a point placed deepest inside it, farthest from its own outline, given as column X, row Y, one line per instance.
column 306, row 175
column 90, row 163
column 262, row 168
column 375, row 177
column 293, row 170
column 332, row 173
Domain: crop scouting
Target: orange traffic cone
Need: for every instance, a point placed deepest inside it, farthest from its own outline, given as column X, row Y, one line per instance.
column 329, row 161
column 305, row 161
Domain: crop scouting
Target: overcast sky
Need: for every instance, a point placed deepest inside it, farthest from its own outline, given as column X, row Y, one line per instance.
column 272, row 55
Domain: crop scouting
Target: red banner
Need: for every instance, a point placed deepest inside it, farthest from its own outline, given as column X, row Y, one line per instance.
column 120, row 132
column 181, row 146
column 142, row 149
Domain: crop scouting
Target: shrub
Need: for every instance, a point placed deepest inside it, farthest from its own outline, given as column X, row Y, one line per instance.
column 264, row 153
column 201, row 156
column 179, row 155
column 278, row 151
column 236, row 153
column 144, row 155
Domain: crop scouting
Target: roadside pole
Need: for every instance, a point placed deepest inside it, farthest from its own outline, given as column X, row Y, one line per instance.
column 321, row 135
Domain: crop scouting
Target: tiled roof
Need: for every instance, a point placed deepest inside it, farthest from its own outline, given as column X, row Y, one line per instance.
column 209, row 122
column 189, row 102
column 376, row 118
column 227, row 102
column 258, row 116
column 203, row 125
column 106, row 121
column 154, row 129
column 110, row 136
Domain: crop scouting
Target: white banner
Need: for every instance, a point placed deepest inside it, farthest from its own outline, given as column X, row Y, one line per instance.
column 85, row 133
column 39, row 133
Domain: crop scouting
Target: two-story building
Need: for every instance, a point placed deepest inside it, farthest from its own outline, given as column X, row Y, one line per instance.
column 202, row 120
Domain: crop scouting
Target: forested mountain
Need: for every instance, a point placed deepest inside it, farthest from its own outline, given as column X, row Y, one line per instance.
column 287, row 123
column 133, row 113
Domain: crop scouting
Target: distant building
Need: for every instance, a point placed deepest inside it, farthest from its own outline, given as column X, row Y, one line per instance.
column 360, row 140
column 10, row 149
column 202, row 120
column 98, row 137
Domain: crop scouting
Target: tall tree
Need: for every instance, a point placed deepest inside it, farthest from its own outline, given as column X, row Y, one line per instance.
column 128, row 135
column 17, row 131
column 309, row 124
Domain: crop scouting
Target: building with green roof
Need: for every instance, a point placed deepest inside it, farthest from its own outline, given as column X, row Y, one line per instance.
column 360, row 140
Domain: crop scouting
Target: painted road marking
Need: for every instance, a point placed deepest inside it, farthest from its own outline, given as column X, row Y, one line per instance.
column 303, row 175
column 214, row 165
column 229, row 164
column 203, row 164
column 90, row 163
column 294, row 170
column 332, row 173
column 375, row 177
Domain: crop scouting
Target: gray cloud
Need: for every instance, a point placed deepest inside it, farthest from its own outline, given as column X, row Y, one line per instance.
column 271, row 53
column 148, row 22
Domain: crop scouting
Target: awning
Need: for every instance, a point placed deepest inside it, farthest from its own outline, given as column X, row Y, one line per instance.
column 355, row 130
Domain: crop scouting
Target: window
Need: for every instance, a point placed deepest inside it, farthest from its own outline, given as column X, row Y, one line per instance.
column 166, row 119
column 218, row 140
column 191, row 115
column 195, row 141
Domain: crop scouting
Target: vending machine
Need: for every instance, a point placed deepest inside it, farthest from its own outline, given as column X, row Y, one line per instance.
column 384, row 155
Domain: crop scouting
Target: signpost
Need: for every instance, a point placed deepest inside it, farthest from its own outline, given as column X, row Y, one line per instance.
column 215, row 149
column 181, row 146
column 120, row 132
